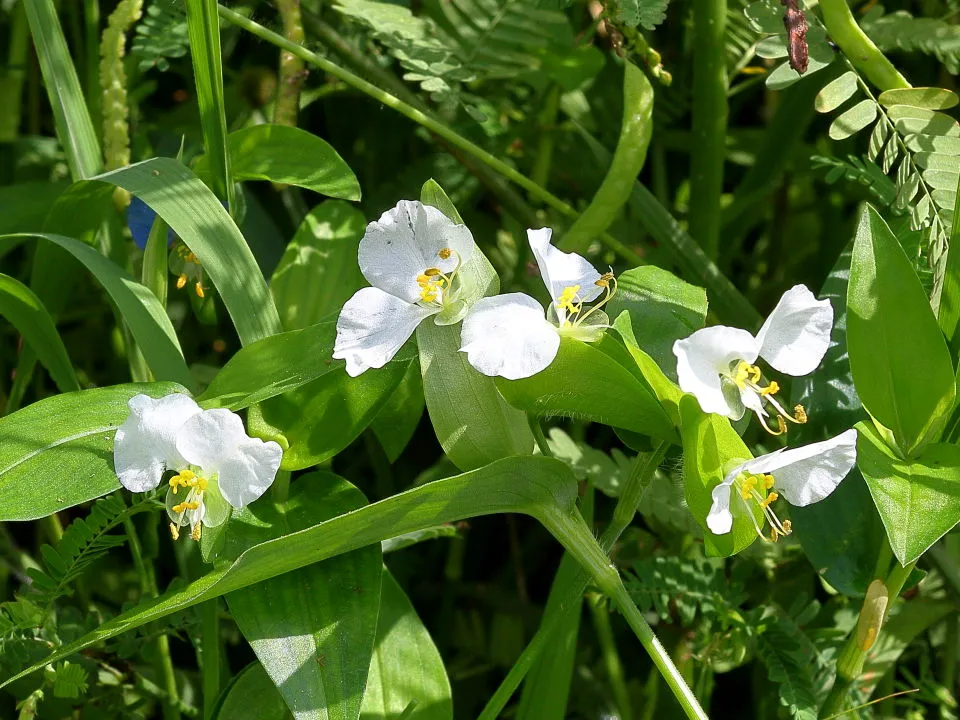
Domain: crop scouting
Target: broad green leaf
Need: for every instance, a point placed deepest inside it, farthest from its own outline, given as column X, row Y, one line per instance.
column 194, row 213
column 26, row 204
column 773, row 47
column 316, row 421
column 541, row 487
column 711, row 447
column 313, row 629
column 852, row 121
column 141, row 310
column 843, row 533
column 918, row 499
column 636, row 128
column 821, row 55
column 58, row 452
column 473, row 423
column 395, row 424
column 288, row 155
column 251, row 696
column 275, row 365
column 70, row 115
column 406, row 669
column 836, row 92
column 585, row 383
column 924, row 97
column 663, row 308
column 898, row 357
column 318, row 271
column 412, row 538
column 909, row 120
column 27, row 314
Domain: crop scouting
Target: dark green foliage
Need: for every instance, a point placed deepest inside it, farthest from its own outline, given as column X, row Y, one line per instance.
column 161, row 34
column 902, row 31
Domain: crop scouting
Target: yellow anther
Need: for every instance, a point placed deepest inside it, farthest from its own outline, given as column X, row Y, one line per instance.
column 799, row 414
column 741, row 374
column 432, row 272
column 787, row 527
column 445, row 253
column 423, row 279
column 174, row 532
column 768, row 481
column 755, row 374
column 181, row 281
column 772, row 497
column 428, row 293
column 199, row 289
column 195, row 532
column 604, row 280
column 773, row 534
column 748, row 486
column 772, row 389
column 568, row 297
column 201, row 483
column 184, row 506
column 191, row 258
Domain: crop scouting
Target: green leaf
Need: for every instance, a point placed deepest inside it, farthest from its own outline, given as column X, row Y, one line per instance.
column 288, row 155
column 931, row 98
column 852, row 121
column 26, row 204
column 312, row 629
column 27, row 314
column 407, row 670
column 316, row 421
column 898, row 357
column 584, row 383
column 194, row 213
column 537, row 486
column 70, row 115
column 836, row 92
column 318, row 271
column 843, row 533
column 711, row 447
column 251, row 696
column 662, row 309
column 275, row 365
column 395, row 424
column 68, row 437
column 918, row 499
column 473, row 423
column 141, row 310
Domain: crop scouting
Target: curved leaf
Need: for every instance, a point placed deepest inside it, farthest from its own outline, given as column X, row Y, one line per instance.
column 141, row 310
column 24, row 310
column 251, row 696
column 69, row 438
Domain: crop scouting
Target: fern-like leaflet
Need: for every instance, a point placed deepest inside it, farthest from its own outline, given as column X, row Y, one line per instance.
column 901, row 31
column 161, row 34
column 83, row 542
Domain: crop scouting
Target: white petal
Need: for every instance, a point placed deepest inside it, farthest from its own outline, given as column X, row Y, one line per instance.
column 720, row 519
column 704, row 356
column 796, row 335
column 372, row 326
column 807, row 474
column 209, row 438
column 145, row 444
column 508, row 335
column 407, row 240
column 561, row 270
column 247, row 473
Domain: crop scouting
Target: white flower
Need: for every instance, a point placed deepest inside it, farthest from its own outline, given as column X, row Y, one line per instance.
column 213, row 457
column 509, row 335
column 411, row 257
column 716, row 364
column 802, row 475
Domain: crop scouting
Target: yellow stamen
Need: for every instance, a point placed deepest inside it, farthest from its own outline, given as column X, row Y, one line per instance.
column 568, row 299
column 445, row 253
column 195, row 532
column 432, row 272
column 799, row 414
column 181, row 281
column 772, row 497
column 604, row 280
column 184, row 506
column 174, row 532
column 199, row 289
column 768, row 481
column 771, row 389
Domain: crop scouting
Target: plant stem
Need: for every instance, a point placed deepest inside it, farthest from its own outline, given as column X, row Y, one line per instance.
column 164, row 663
column 630, row 495
column 852, row 657
column 611, row 659
column 280, row 490
column 709, row 123
column 858, row 48
column 292, row 70
column 210, row 634
column 547, row 120
column 538, row 435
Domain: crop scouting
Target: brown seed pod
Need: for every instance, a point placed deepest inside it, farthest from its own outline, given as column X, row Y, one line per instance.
column 796, row 24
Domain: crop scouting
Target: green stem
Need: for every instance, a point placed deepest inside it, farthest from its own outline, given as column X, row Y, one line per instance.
column 11, row 80
column 547, row 120
column 54, row 528
column 292, row 70
column 633, row 489
column 418, row 116
column 164, row 663
column 858, row 48
column 280, row 490
column 91, row 72
column 210, row 634
column 611, row 658
column 537, row 429
column 709, row 123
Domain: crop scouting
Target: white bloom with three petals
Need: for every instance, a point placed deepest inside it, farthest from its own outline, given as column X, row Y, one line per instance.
column 716, row 364
column 511, row 337
column 802, row 476
column 214, row 458
column 411, row 257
